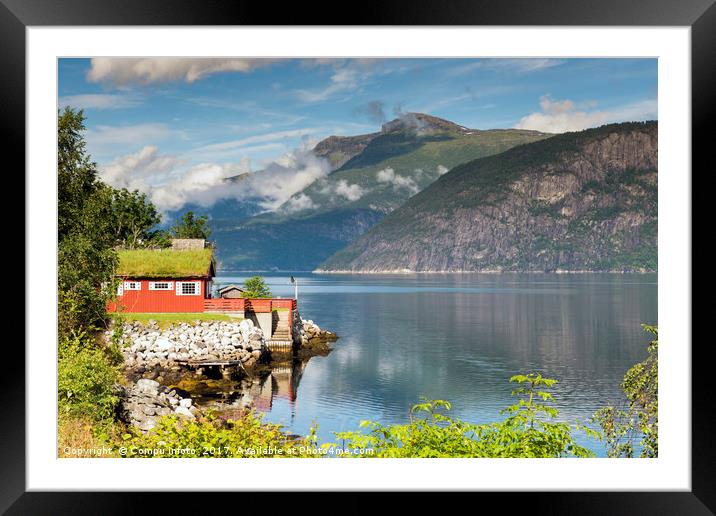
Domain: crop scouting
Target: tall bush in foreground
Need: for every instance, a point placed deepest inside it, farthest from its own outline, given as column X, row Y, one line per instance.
column 526, row 432
column 638, row 419
column 86, row 377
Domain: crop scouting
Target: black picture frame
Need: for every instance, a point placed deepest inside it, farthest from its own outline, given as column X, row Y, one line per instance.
column 17, row 15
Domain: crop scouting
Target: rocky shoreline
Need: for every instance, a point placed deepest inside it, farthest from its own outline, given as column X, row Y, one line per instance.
column 175, row 355
column 147, row 346
column 311, row 338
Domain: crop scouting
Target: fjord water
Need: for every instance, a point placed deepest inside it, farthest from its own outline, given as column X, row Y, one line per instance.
column 459, row 337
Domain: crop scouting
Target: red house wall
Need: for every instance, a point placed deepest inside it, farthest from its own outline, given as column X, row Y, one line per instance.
column 146, row 300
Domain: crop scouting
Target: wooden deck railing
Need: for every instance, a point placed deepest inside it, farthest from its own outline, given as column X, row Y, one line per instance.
column 241, row 305
column 224, row 305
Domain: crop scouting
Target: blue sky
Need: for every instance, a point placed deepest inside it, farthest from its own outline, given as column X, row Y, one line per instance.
column 161, row 121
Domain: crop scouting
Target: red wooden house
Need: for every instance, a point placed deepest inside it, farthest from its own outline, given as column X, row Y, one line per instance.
column 166, row 280
column 180, row 280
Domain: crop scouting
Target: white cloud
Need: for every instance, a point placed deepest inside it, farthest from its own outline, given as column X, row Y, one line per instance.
column 388, row 175
column 351, row 192
column 99, row 101
column 559, row 116
column 139, row 170
column 341, row 188
column 289, row 174
column 147, row 70
column 298, row 203
column 442, row 170
column 170, row 184
column 105, row 135
column 259, row 139
column 343, row 79
column 525, row 65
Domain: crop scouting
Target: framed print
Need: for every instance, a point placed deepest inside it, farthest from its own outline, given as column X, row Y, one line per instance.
column 436, row 243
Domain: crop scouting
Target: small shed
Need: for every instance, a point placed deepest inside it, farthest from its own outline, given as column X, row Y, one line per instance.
column 231, row 292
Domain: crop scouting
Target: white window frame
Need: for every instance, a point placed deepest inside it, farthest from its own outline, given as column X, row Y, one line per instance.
column 120, row 289
column 197, row 288
column 153, row 285
column 132, row 285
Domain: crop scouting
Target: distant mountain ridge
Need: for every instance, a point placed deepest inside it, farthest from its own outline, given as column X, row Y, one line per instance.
column 339, row 149
column 572, row 202
column 375, row 173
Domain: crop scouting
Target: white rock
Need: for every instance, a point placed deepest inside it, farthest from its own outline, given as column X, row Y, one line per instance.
column 147, row 386
column 163, row 344
column 184, row 411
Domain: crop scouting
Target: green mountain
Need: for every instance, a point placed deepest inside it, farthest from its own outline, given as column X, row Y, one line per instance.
column 376, row 173
column 572, row 202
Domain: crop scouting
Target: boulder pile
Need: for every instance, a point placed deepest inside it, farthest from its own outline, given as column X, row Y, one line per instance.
column 310, row 336
column 146, row 401
column 147, row 346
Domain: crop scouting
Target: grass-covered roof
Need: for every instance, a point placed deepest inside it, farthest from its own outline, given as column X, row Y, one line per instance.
column 164, row 263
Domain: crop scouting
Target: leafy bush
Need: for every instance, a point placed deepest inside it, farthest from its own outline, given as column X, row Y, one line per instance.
column 247, row 436
column 524, row 433
column 256, row 288
column 639, row 419
column 86, row 378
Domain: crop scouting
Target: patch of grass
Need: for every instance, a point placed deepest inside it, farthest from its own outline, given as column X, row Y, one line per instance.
column 79, row 437
column 167, row 319
column 164, row 263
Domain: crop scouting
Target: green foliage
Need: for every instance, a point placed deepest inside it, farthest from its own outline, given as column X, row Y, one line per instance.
column 525, row 432
column 246, row 436
column 86, row 378
column 255, row 288
column 623, row 424
column 86, row 260
column 77, row 175
column 191, row 226
column 133, row 217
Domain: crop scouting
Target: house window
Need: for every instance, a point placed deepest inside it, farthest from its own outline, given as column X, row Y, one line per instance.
column 132, row 285
column 161, row 285
column 188, row 288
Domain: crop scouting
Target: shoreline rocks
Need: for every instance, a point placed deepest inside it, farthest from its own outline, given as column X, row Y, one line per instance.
column 146, row 401
column 147, row 346
column 311, row 337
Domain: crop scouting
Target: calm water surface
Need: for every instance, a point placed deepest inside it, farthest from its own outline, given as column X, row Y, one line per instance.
column 458, row 337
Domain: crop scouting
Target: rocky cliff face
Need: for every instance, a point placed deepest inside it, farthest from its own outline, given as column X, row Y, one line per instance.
column 577, row 201
column 339, row 149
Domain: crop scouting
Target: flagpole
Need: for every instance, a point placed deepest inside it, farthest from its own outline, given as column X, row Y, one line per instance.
column 295, row 288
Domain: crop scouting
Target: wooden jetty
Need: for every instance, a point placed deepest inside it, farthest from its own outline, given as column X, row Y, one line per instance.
column 225, row 366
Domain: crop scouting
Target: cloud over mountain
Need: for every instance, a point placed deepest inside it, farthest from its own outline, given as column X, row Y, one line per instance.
column 147, row 70
column 170, row 184
column 559, row 116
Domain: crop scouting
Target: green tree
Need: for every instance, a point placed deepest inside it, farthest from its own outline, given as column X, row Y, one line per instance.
column 86, row 260
column 77, row 174
column 191, row 226
column 636, row 419
column 133, row 218
column 255, row 288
